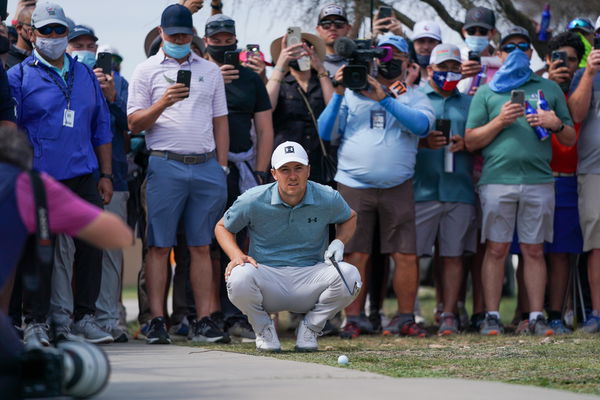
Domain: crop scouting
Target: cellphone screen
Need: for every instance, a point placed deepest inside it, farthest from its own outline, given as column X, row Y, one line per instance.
column 184, row 76
column 518, row 97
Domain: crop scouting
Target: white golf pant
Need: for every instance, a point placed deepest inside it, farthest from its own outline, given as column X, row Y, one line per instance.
column 317, row 291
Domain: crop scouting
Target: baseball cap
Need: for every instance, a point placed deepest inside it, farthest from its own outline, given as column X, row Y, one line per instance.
column 515, row 31
column 332, row 9
column 288, row 152
column 82, row 30
column 428, row 29
column 177, row 19
column 444, row 52
column 48, row 13
column 582, row 24
column 219, row 23
column 480, row 16
column 394, row 40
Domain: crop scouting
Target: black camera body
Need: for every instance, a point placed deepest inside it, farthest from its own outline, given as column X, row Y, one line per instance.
column 360, row 55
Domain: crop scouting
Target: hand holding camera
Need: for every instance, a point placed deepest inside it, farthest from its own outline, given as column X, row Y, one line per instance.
column 375, row 91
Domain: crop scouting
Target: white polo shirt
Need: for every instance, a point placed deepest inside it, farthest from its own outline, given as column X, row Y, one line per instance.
column 185, row 127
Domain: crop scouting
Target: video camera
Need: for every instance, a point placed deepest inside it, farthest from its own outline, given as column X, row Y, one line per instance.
column 360, row 55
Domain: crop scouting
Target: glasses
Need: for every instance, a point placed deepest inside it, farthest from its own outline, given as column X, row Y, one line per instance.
column 220, row 24
column 338, row 23
column 477, row 29
column 509, row 48
column 580, row 24
column 47, row 30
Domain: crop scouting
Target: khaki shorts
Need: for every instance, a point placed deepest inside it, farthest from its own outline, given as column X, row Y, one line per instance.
column 530, row 207
column 588, row 188
column 393, row 209
column 453, row 224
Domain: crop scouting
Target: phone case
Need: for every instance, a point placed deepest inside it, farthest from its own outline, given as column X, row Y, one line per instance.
column 294, row 37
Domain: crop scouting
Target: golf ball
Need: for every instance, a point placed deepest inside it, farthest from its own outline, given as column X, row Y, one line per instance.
column 343, row 360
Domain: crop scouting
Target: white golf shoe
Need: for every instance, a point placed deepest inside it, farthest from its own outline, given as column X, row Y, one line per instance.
column 267, row 339
column 306, row 338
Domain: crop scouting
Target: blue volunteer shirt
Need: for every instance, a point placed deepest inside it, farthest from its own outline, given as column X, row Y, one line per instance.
column 284, row 236
column 39, row 92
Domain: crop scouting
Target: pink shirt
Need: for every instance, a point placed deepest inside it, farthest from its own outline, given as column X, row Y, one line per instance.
column 185, row 127
column 67, row 213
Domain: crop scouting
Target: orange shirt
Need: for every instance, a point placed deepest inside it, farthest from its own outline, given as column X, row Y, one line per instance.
column 564, row 159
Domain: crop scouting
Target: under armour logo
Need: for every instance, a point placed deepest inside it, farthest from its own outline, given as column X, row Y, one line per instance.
column 289, row 149
column 312, row 220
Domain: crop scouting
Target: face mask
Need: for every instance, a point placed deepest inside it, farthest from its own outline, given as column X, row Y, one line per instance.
column 477, row 43
column 53, row 48
column 447, row 81
column 423, row 61
column 85, row 57
column 391, row 69
column 218, row 52
column 176, row 51
column 4, row 45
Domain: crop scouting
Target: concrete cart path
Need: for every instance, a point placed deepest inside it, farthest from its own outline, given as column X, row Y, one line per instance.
column 141, row 371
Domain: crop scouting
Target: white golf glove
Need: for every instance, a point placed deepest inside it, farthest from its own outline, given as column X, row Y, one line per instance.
column 335, row 250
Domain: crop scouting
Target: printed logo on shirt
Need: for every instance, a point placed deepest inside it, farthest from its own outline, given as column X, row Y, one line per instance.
column 289, row 149
column 312, row 220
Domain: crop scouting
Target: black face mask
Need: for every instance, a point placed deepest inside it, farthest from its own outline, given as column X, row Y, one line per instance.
column 294, row 65
column 218, row 52
column 4, row 45
column 391, row 69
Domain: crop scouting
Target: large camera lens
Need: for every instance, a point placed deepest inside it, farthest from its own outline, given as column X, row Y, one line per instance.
column 86, row 369
column 355, row 77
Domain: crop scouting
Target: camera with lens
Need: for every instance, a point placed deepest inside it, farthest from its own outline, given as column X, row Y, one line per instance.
column 360, row 55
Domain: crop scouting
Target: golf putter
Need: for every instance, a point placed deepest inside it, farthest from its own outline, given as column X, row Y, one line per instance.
column 335, row 264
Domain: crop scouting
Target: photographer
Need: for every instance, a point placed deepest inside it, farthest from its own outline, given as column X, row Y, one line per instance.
column 379, row 136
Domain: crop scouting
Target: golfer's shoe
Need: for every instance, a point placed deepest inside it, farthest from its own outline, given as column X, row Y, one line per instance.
column 157, row 333
column 393, row 327
column 491, row 326
column 448, row 324
column 267, row 339
column 207, row 331
column 592, row 324
column 559, row 327
column 350, row 331
column 413, row 329
column 539, row 327
column 88, row 328
column 523, row 328
column 306, row 338
column 239, row 327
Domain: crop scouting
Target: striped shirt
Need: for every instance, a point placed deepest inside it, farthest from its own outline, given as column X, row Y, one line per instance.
column 186, row 127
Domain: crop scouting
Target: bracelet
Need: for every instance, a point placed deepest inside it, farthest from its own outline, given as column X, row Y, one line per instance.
column 323, row 75
column 279, row 69
column 107, row 176
column 226, row 169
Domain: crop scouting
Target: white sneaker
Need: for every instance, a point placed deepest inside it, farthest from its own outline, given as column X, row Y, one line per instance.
column 267, row 339
column 306, row 338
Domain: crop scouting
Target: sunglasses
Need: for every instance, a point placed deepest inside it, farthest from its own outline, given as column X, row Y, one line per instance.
column 47, row 30
column 477, row 29
column 508, row 48
column 220, row 24
column 580, row 24
column 339, row 24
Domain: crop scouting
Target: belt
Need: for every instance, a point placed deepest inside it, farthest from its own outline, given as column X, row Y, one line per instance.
column 186, row 159
column 563, row 174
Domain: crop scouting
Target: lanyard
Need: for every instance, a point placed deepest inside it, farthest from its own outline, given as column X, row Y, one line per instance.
column 65, row 91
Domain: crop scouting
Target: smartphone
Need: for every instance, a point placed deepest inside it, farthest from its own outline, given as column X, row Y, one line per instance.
column 474, row 56
column 384, row 12
column 232, row 58
column 184, row 76
column 518, row 97
column 104, row 61
column 294, row 36
column 253, row 50
column 559, row 55
column 596, row 42
column 443, row 125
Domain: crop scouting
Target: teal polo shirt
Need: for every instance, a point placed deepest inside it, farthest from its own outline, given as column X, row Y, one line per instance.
column 430, row 181
column 285, row 236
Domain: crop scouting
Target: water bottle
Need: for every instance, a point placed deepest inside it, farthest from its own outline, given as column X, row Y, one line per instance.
column 479, row 79
column 448, row 159
column 543, row 35
column 541, row 133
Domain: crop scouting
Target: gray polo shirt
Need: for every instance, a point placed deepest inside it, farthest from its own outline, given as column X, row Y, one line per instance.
column 588, row 146
column 285, row 236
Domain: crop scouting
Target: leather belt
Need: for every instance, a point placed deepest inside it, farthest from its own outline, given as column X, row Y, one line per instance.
column 184, row 158
column 563, row 174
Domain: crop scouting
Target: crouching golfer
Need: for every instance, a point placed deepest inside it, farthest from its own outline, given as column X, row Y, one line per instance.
column 288, row 266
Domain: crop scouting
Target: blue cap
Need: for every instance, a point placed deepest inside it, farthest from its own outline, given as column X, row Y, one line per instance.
column 82, row 30
column 394, row 40
column 177, row 19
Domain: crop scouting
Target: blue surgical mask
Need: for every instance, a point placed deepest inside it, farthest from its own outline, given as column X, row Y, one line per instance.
column 176, row 51
column 423, row 60
column 477, row 43
column 85, row 57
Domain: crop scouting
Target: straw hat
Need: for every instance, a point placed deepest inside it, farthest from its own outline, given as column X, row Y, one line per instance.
column 314, row 40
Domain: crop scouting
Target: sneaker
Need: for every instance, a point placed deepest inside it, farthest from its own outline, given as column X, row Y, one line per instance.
column 181, row 329
column 157, row 332
column 413, row 329
column 88, row 328
column 36, row 334
column 449, row 325
column 591, row 325
column 306, row 338
column 523, row 327
column 63, row 332
column 142, row 332
column 207, row 331
column 559, row 327
column 393, row 327
column 491, row 326
column 365, row 325
column 119, row 334
column 539, row 327
column 350, row 331
column 239, row 326
column 267, row 339
column 219, row 318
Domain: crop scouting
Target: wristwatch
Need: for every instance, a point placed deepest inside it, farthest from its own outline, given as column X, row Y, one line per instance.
column 107, row 176
column 562, row 126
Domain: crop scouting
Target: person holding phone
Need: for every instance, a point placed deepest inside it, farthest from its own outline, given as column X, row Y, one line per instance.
column 386, row 22
column 445, row 201
column 187, row 135
column 516, row 186
column 426, row 35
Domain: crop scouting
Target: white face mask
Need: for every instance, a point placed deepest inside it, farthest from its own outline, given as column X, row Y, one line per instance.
column 53, row 48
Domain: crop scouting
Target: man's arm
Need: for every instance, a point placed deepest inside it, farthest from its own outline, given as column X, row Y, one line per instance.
column 104, row 155
column 142, row 120
column 221, row 132
column 227, row 242
column 346, row 229
column 579, row 102
column 263, row 121
column 477, row 138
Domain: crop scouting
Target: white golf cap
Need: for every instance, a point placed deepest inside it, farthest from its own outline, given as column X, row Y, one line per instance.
column 288, row 152
column 428, row 29
column 444, row 52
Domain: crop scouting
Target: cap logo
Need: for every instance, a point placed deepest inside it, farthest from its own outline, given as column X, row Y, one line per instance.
column 51, row 11
column 478, row 14
column 289, row 149
column 426, row 28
